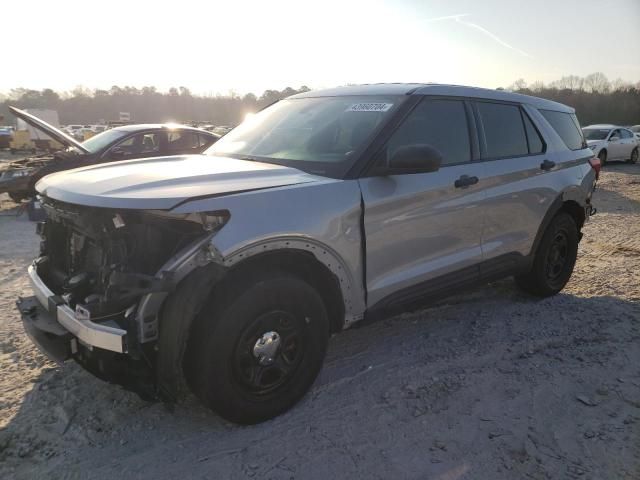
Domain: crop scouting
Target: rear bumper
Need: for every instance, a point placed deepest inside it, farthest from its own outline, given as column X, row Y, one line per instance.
column 49, row 322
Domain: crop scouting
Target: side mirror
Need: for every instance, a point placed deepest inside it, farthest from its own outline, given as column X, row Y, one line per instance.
column 419, row 158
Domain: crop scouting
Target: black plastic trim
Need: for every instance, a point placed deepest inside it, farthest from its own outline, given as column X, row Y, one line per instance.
column 452, row 283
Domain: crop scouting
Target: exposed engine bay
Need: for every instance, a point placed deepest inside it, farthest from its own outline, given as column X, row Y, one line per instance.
column 102, row 260
column 100, row 263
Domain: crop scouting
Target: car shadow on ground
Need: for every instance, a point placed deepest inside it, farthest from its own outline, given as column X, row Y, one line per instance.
column 462, row 386
column 622, row 167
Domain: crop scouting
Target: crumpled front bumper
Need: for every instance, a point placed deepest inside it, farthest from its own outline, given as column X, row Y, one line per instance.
column 53, row 325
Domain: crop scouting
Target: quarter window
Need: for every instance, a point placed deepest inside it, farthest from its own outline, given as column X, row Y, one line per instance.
column 567, row 127
column 503, row 130
column 439, row 123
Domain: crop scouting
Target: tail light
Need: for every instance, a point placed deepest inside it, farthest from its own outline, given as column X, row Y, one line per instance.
column 596, row 165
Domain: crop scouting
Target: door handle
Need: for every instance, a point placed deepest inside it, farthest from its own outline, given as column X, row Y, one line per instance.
column 547, row 165
column 465, row 181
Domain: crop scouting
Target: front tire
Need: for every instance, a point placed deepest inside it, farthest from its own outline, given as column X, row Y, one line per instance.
column 554, row 260
column 258, row 346
column 634, row 156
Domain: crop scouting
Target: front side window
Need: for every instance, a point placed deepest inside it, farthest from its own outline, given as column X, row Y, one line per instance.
column 567, row 127
column 321, row 134
column 103, row 140
column 503, row 130
column 144, row 144
column 441, row 124
column 616, row 133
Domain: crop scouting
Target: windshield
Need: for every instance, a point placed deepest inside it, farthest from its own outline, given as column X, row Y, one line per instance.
column 320, row 135
column 101, row 140
column 595, row 133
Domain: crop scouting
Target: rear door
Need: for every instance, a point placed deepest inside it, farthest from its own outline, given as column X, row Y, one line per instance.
column 525, row 174
column 420, row 227
column 628, row 142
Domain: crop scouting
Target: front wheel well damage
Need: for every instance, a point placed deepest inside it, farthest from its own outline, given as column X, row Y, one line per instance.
column 303, row 265
column 182, row 307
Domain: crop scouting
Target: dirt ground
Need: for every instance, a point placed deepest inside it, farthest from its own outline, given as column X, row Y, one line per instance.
column 491, row 384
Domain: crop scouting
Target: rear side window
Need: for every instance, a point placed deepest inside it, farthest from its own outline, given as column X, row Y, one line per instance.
column 439, row 123
column 536, row 145
column 567, row 127
column 503, row 130
column 182, row 141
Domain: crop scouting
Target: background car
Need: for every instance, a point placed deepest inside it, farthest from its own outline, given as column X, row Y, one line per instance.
column 636, row 131
column 610, row 142
column 6, row 134
column 18, row 178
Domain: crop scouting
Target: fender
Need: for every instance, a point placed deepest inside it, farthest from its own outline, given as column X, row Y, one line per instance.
column 352, row 290
column 573, row 194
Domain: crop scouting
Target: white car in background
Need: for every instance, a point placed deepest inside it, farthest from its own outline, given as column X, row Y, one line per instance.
column 610, row 142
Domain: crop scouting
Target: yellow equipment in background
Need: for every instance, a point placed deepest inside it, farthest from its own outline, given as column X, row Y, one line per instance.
column 21, row 142
column 87, row 134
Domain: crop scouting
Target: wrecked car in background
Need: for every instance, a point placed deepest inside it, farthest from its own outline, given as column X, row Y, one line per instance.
column 229, row 276
column 17, row 178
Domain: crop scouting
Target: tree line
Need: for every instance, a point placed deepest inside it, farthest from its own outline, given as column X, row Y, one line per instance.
column 145, row 105
column 595, row 98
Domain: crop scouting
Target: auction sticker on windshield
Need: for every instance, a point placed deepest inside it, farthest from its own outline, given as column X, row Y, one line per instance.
column 369, row 107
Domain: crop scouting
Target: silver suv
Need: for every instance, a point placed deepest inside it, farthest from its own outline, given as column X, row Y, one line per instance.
column 228, row 272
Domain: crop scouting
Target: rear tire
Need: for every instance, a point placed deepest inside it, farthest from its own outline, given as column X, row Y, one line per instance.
column 634, row 156
column 603, row 157
column 257, row 346
column 554, row 260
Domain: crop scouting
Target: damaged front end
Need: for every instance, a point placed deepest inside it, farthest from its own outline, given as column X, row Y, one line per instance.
column 100, row 283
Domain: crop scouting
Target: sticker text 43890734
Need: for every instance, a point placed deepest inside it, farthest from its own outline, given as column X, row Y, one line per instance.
column 369, row 107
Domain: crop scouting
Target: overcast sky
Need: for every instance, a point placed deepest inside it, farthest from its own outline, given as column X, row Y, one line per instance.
column 215, row 46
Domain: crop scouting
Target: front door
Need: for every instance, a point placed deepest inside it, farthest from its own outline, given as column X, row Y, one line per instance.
column 419, row 227
column 616, row 146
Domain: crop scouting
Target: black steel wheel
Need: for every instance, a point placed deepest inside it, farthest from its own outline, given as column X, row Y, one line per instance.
column 554, row 259
column 557, row 256
column 634, row 156
column 269, row 352
column 257, row 346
